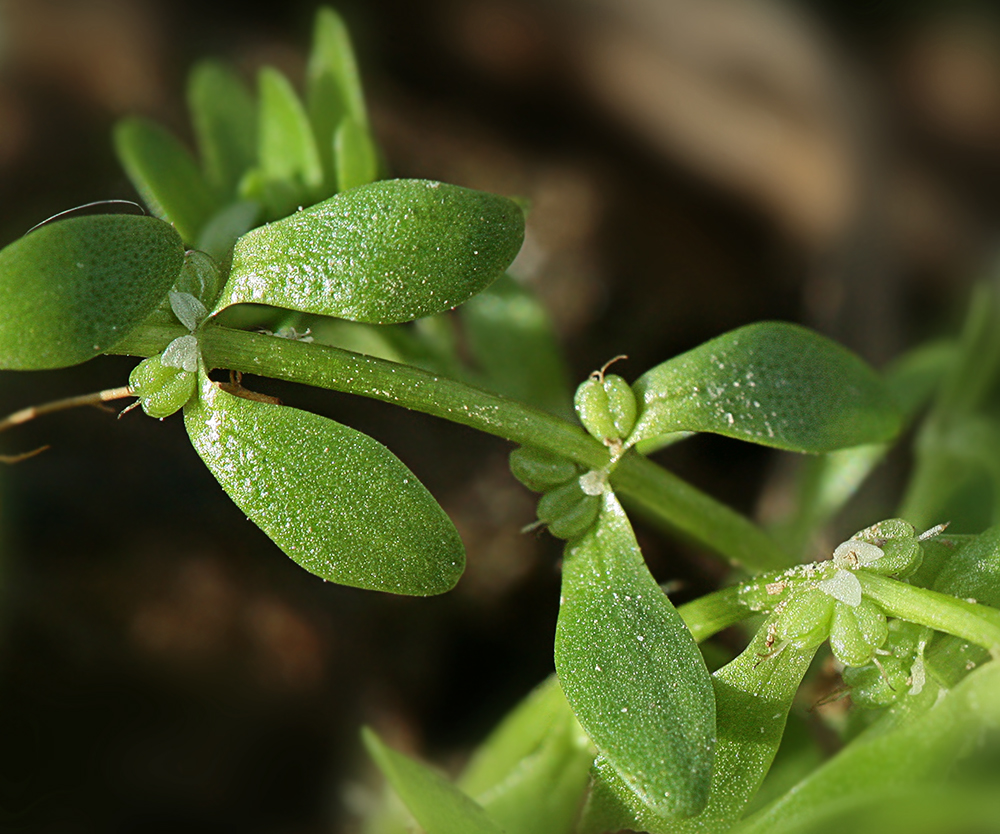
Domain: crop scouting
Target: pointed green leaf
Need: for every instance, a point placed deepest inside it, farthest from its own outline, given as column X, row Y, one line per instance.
column 224, row 116
column 435, row 803
column 387, row 252
column 165, row 175
column 921, row 746
column 771, row 383
column 335, row 500
column 333, row 88
column 73, row 289
column 532, row 771
column 632, row 672
column 355, row 159
column 287, row 148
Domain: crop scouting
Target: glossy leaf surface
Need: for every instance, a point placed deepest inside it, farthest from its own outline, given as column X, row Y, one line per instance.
column 387, row 252
column 72, row 289
column 166, row 175
column 753, row 695
column 632, row 671
column 923, row 746
column 435, row 803
column 335, row 500
column 771, row 383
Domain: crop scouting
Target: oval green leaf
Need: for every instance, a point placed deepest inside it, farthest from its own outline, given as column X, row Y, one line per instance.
column 771, row 383
column 224, row 116
column 355, row 157
column 513, row 341
column 387, row 252
column 435, row 803
column 532, row 772
column 73, row 289
column 632, row 671
column 333, row 499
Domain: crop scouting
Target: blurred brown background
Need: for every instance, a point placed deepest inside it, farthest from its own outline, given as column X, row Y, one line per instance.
column 694, row 165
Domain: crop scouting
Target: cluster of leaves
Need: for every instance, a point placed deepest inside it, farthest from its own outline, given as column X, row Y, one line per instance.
column 637, row 732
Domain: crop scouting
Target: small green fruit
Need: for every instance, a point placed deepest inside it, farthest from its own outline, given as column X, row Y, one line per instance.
column 541, row 471
column 606, row 407
column 162, row 389
column 568, row 511
column 874, row 687
column 857, row 631
column 806, row 618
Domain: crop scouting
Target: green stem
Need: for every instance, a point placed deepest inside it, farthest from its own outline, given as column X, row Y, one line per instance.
column 978, row 624
column 661, row 495
column 656, row 493
column 710, row 614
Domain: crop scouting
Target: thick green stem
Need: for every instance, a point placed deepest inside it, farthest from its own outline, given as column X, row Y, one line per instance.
column 657, row 493
column 653, row 491
column 978, row 624
column 710, row 614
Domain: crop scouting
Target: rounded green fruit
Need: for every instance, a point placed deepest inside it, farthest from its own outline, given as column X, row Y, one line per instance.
column 806, row 618
column 568, row 511
column 857, row 632
column 162, row 389
column 539, row 470
column 606, row 406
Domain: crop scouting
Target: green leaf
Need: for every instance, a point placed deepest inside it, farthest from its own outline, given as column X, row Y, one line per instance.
column 222, row 230
column 224, row 116
column 435, row 803
column 335, row 500
column 521, row 732
column 287, row 151
column 333, row 87
column 922, row 746
column 632, row 671
column 387, row 252
column 771, row 383
column 512, row 340
column 165, row 175
column 355, row 158
column 753, row 695
column 532, row 771
column 73, row 289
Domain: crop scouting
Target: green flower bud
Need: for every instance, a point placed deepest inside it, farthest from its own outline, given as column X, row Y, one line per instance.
column 162, row 389
column 539, row 470
column 199, row 277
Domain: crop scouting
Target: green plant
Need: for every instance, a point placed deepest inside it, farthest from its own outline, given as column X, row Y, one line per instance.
column 637, row 733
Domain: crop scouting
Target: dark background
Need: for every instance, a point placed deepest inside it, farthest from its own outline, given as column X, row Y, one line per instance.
column 694, row 165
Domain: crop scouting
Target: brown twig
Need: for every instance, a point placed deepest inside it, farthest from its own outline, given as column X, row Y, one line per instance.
column 27, row 414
